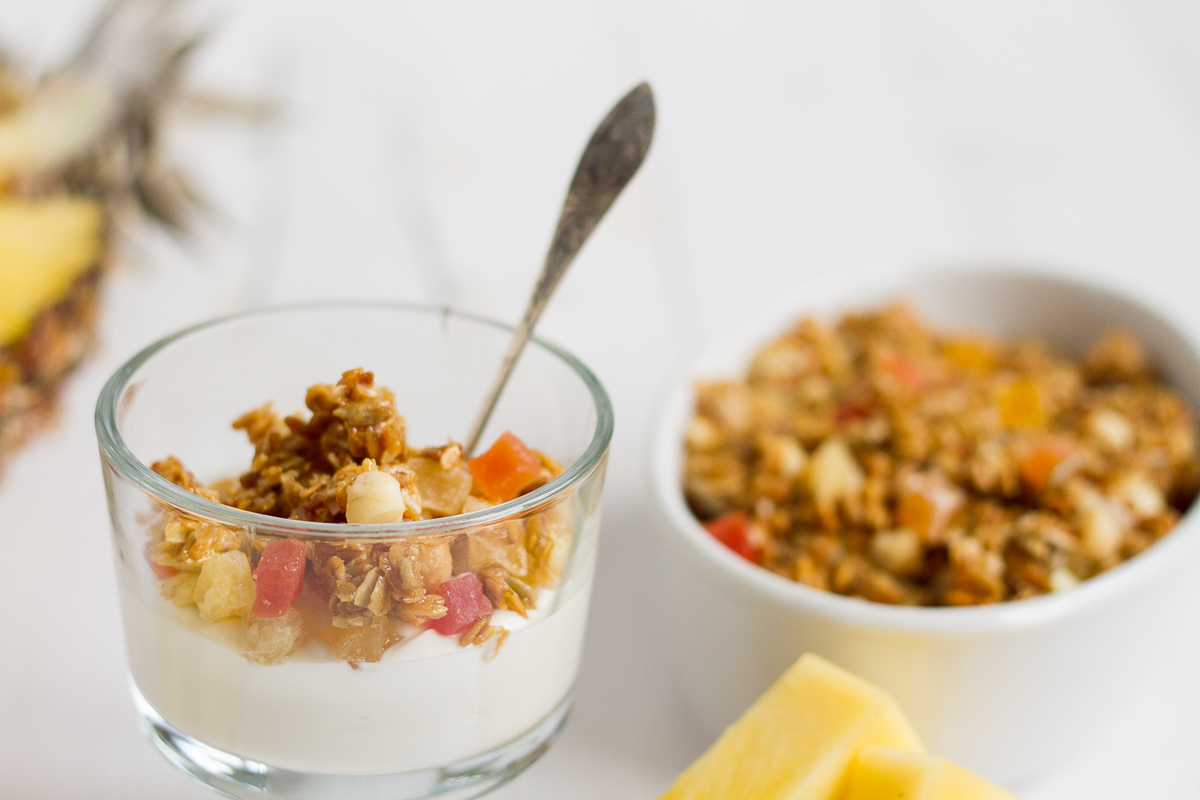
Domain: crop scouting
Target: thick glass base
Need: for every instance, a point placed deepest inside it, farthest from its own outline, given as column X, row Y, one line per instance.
column 250, row 780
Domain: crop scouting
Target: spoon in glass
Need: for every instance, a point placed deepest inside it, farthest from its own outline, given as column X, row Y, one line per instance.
column 615, row 152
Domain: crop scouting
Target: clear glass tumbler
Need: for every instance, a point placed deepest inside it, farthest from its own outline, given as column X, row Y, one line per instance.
column 431, row 716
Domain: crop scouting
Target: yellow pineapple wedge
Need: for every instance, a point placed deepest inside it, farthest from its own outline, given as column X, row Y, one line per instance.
column 797, row 740
column 881, row 773
column 44, row 246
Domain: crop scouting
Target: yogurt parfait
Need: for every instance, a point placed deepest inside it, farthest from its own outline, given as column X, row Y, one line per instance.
column 345, row 609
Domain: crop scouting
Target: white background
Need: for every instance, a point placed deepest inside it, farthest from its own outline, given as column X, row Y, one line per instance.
column 424, row 155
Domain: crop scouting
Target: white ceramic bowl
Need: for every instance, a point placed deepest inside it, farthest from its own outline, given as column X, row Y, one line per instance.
column 1008, row 690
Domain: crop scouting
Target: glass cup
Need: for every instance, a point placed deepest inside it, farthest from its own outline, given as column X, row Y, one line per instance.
column 341, row 716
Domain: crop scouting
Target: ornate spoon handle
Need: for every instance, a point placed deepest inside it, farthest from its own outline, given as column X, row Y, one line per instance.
column 615, row 152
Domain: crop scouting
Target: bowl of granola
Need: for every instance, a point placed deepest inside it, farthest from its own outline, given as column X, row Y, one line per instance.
column 970, row 485
column 340, row 600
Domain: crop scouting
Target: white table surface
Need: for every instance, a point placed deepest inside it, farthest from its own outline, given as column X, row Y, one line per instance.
column 427, row 149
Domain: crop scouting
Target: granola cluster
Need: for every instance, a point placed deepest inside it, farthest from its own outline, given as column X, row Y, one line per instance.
column 879, row 459
column 348, row 461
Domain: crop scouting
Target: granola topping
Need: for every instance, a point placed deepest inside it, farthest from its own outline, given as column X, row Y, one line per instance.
column 879, row 459
column 349, row 461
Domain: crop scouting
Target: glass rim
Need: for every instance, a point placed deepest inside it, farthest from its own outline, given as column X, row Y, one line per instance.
column 117, row 453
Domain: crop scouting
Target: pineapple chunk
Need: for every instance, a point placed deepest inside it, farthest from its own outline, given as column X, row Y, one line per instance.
column 443, row 491
column 44, row 246
column 270, row 640
column 502, row 544
column 880, row 773
column 797, row 740
column 181, row 589
column 366, row 643
column 225, row 588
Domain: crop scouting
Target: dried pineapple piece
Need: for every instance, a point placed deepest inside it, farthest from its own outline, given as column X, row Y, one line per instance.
column 927, row 502
column 365, row 643
column 548, row 541
column 502, row 545
column 443, row 491
column 270, row 640
column 970, row 354
column 225, row 587
column 180, row 589
column 1022, row 405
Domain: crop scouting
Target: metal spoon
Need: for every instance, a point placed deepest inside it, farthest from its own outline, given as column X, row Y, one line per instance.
column 614, row 153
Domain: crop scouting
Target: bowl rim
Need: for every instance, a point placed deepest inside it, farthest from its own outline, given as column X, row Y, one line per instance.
column 116, row 452
column 841, row 287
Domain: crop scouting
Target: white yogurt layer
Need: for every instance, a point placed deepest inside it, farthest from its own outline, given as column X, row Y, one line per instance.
column 428, row 703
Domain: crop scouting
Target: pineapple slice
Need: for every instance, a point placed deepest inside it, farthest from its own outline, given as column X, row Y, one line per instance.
column 880, row 773
column 44, row 246
column 797, row 740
